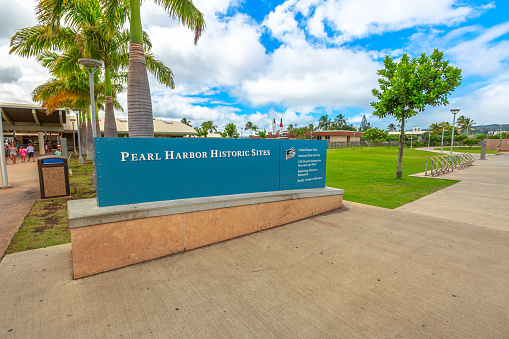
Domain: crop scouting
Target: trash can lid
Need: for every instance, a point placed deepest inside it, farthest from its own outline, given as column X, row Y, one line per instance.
column 52, row 161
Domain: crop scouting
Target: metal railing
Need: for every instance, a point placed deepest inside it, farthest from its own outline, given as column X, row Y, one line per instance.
column 442, row 164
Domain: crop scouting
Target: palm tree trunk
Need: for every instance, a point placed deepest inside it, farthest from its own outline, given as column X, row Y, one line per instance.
column 110, row 126
column 139, row 102
column 399, row 172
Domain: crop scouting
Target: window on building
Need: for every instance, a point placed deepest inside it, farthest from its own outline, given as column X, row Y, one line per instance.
column 327, row 137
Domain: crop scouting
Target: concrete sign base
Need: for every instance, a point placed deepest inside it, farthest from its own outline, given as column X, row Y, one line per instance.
column 106, row 238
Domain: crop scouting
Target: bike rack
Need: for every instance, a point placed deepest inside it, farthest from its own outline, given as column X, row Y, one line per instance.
column 443, row 164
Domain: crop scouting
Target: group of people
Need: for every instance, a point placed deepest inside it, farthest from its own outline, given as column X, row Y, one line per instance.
column 13, row 148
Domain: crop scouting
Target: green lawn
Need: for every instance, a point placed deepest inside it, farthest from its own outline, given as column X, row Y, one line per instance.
column 368, row 175
column 46, row 224
column 475, row 149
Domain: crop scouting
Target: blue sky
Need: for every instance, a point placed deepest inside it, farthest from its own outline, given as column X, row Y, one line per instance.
column 298, row 60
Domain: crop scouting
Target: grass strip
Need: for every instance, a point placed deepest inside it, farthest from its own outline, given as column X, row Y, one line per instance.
column 474, row 149
column 46, row 223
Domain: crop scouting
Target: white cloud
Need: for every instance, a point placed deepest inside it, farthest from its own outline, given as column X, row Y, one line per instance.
column 26, row 74
column 317, row 77
column 227, row 53
column 13, row 16
column 353, row 19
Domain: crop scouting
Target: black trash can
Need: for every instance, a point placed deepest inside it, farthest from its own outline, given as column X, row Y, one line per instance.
column 53, row 176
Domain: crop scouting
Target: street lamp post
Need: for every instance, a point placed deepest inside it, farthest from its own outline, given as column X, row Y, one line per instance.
column 73, row 136
column 92, row 66
column 454, row 111
column 80, row 159
column 500, row 140
column 442, row 147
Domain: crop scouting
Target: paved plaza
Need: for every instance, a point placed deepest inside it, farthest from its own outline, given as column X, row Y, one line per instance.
column 436, row 267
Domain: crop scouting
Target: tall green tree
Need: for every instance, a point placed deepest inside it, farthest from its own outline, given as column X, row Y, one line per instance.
column 209, row 126
column 408, row 86
column 339, row 122
column 324, row 122
column 186, row 122
column 249, row 126
column 365, row 125
column 88, row 32
column 230, row 131
column 139, row 101
column 465, row 124
column 391, row 128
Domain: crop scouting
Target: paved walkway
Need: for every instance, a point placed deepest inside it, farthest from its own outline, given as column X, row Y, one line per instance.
column 16, row 201
column 361, row 271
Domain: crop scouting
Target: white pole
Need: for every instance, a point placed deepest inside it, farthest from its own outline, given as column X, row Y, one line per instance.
column 442, row 147
column 3, row 164
column 452, row 136
column 80, row 159
column 73, row 138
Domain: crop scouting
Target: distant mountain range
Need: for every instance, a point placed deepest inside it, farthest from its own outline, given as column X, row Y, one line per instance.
column 492, row 127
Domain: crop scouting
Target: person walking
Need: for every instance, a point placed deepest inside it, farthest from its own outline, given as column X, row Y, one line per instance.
column 31, row 152
column 13, row 151
column 22, row 153
column 6, row 150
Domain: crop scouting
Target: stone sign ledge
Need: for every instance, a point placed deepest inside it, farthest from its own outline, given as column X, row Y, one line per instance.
column 86, row 212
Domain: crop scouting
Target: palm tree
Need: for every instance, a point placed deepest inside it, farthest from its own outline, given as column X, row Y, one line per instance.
column 340, row 121
column 249, row 126
column 209, row 126
column 391, row 128
column 466, row 125
column 461, row 122
column 139, row 103
column 186, row 122
column 87, row 35
column 324, row 122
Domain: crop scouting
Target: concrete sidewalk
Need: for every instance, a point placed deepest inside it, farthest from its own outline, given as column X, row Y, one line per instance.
column 16, row 201
column 361, row 271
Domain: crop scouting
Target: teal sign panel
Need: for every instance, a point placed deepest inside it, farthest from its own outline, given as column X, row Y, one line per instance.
column 302, row 164
column 136, row 170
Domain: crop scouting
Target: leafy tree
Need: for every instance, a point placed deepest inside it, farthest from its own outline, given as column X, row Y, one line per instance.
column 202, row 132
column 365, row 125
column 408, row 86
column 460, row 137
column 209, row 126
column 262, row 134
column 391, row 128
column 230, row 131
column 249, row 127
column 375, row 135
column 470, row 142
column 290, row 128
column 186, row 122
